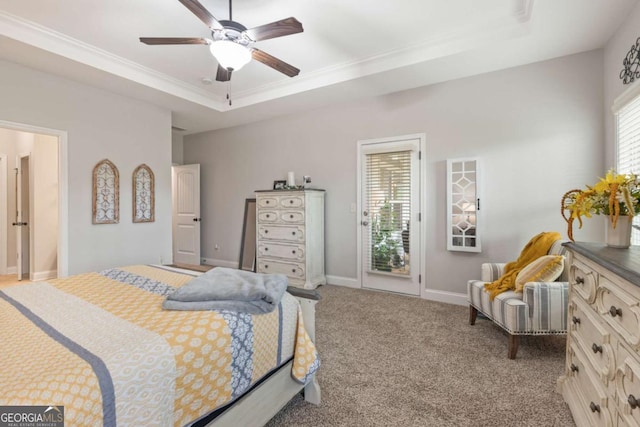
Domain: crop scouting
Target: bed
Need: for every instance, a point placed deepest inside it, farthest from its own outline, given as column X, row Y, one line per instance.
column 101, row 345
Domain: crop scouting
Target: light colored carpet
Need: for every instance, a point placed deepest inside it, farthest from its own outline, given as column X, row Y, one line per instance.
column 389, row 360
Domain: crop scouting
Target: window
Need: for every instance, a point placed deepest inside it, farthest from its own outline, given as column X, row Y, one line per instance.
column 388, row 197
column 627, row 111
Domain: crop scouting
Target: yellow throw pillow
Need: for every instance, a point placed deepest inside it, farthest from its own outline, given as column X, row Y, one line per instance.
column 547, row 268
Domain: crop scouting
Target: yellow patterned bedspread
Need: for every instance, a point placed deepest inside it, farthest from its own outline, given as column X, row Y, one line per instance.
column 101, row 345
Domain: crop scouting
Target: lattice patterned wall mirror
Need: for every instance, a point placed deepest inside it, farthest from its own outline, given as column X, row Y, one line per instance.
column 463, row 205
column 106, row 193
column 143, row 182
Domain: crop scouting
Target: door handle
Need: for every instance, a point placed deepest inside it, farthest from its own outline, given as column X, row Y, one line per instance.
column 18, row 223
column 197, row 219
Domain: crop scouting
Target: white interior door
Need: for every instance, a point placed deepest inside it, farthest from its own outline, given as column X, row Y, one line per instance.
column 390, row 214
column 22, row 223
column 186, row 214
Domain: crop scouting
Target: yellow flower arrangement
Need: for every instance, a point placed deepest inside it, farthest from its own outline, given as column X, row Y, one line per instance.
column 613, row 195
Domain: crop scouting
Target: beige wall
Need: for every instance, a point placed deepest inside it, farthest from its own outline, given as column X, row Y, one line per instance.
column 176, row 148
column 99, row 125
column 537, row 129
column 8, row 142
column 44, row 238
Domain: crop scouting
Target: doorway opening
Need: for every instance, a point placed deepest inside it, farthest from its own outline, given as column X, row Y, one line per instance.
column 33, row 196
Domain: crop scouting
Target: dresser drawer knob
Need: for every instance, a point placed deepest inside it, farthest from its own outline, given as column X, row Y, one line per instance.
column 596, row 348
column 267, row 202
column 594, row 407
column 293, row 232
column 579, row 280
column 291, row 216
column 266, row 249
column 293, row 251
column 291, row 201
column 633, row 402
column 266, row 266
column 575, row 320
column 293, row 270
column 574, row 368
column 266, row 231
column 268, row 216
column 613, row 311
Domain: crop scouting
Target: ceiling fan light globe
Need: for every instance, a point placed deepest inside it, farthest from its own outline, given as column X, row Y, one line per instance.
column 230, row 55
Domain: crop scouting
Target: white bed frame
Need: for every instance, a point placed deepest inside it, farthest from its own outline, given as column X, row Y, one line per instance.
column 257, row 407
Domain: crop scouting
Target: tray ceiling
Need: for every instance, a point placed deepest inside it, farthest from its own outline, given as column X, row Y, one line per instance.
column 349, row 49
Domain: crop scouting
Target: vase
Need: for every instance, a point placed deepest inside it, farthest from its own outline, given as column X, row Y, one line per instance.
column 619, row 237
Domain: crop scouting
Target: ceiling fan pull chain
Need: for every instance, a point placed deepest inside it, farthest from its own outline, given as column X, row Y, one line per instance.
column 230, row 16
column 229, row 92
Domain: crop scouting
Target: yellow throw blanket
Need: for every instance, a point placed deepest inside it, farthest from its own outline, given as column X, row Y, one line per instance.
column 537, row 247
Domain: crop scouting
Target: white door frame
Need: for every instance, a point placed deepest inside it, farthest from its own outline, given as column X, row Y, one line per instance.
column 63, row 188
column 423, row 204
column 3, row 214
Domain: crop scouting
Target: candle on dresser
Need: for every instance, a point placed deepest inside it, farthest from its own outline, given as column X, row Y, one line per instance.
column 291, row 180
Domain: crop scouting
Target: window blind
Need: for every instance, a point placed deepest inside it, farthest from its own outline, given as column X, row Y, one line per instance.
column 628, row 148
column 388, row 197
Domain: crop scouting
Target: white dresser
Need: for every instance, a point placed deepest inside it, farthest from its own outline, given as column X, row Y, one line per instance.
column 290, row 235
column 601, row 383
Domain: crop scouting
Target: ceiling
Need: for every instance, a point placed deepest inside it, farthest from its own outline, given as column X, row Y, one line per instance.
column 349, row 49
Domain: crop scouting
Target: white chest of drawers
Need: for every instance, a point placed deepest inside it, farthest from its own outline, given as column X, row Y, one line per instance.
column 601, row 383
column 290, row 235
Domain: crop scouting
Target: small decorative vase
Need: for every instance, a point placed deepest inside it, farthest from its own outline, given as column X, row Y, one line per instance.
column 619, row 237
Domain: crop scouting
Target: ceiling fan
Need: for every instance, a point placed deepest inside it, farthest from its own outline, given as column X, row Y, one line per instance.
column 232, row 43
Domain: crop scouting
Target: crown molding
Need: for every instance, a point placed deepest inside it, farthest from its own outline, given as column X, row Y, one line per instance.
column 515, row 24
column 28, row 32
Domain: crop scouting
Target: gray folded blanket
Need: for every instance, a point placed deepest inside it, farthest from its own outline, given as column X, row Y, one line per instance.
column 229, row 289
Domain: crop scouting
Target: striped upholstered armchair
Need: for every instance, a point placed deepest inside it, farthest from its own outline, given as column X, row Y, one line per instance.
column 541, row 309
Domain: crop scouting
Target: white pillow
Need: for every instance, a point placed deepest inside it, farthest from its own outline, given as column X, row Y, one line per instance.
column 547, row 268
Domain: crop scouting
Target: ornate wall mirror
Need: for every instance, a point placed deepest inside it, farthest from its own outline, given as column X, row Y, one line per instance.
column 248, row 242
column 463, row 205
column 106, row 193
column 143, row 194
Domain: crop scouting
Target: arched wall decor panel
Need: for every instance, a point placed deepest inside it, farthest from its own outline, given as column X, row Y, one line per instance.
column 106, row 193
column 143, row 194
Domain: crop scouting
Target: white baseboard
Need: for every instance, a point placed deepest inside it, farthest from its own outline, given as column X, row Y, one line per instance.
column 220, row 262
column 343, row 281
column 44, row 275
column 447, row 297
column 12, row 270
column 349, row 282
column 440, row 296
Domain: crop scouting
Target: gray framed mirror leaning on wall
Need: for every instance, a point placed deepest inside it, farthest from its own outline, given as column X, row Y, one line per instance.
column 248, row 242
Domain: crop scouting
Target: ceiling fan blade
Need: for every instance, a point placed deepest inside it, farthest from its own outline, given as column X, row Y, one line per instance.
column 274, row 63
column 174, row 40
column 280, row 28
column 223, row 75
column 202, row 13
